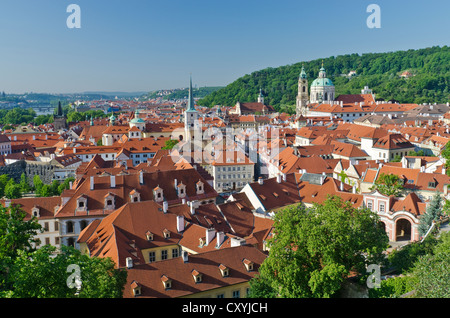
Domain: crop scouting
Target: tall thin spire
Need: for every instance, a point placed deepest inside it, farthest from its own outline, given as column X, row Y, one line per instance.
column 59, row 111
column 191, row 103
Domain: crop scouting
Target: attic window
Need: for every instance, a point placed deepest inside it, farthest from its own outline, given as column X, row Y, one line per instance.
column 262, row 197
column 167, row 282
column 149, row 236
column 248, row 264
column 410, row 182
column 225, row 271
column 166, row 233
column 197, row 276
column 136, row 288
column 432, row 185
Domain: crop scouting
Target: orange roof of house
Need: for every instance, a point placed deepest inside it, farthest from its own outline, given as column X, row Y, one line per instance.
column 208, row 264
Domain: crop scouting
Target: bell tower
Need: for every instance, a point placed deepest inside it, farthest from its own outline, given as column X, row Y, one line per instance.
column 302, row 96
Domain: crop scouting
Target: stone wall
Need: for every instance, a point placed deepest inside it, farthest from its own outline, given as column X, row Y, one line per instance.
column 45, row 170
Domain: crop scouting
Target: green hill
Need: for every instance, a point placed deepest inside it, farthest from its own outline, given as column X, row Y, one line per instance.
column 380, row 71
column 183, row 93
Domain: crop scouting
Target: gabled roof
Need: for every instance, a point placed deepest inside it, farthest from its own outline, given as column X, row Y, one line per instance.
column 122, row 234
column 183, row 284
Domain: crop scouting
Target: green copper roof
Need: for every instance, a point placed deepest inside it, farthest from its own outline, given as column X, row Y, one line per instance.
column 322, row 82
column 136, row 119
column 303, row 73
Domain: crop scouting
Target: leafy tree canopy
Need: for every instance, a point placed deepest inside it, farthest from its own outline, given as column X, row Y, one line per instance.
column 314, row 249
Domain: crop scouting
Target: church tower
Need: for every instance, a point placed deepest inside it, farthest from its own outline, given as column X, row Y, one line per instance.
column 302, row 96
column 190, row 116
column 59, row 121
column 261, row 97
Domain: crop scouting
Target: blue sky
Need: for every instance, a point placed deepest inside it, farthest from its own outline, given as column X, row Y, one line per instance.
column 142, row 45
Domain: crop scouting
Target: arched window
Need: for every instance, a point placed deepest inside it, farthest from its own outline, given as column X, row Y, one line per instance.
column 71, row 242
column 83, row 224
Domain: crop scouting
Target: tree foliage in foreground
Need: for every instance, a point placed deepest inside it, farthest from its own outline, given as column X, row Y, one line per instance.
column 47, row 272
column 427, row 274
column 314, row 249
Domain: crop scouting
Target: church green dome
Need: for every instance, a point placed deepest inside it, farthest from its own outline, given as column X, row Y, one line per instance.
column 322, row 82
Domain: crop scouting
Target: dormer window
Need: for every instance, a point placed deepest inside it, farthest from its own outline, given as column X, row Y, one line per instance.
column 167, row 282
column 158, row 194
column 109, row 202
column 135, row 288
column 432, row 184
column 181, row 188
column 135, row 196
column 82, row 203
column 200, row 187
column 248, row 264
column 224, row 271
column 35, row 211
column 166, row 233
column 197, row 276
column 149, row 236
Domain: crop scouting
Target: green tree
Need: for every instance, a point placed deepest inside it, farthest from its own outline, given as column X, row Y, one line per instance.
column 4, row 178
column 65, row 185
column 24, row 185
column 16, row 233
column 314, row 249
column 433, row 213
column 37, row 184
column 388, row 184
column 431, row 272
column 51, row 274
column 13, row 190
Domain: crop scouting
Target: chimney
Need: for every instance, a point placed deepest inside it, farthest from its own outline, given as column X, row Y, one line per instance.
column 165, row 206
column 175, row 181
column 354, row 189
column 192, row 207
column 70, row 184
column 92, row 182
column 443, row 170
column 237, row 241
column 284, row 177
column 341, row 186
column 260, row 181
column 129, row 262
column 210, row 233
column 220, row 237
column 180, row 223
column 141, row 177
column 278, row 178
column 113, row 181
